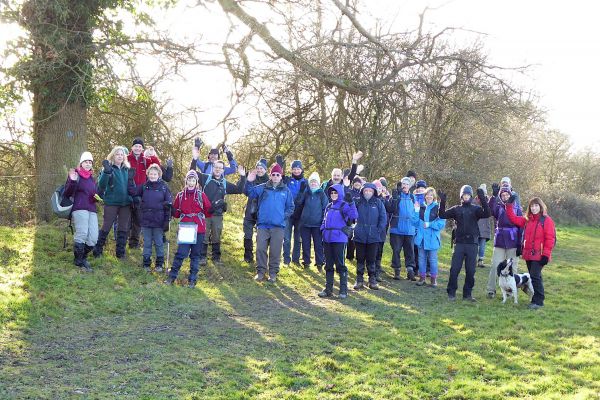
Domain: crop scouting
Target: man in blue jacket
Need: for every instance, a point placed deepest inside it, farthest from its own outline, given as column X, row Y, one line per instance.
column 275, row 206
column 402, row 231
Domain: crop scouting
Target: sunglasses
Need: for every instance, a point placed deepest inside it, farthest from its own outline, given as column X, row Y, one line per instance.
column 275, row 174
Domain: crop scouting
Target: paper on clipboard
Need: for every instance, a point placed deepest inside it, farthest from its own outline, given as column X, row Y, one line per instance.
column 187, row 233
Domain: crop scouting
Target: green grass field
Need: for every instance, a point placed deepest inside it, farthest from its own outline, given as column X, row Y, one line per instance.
column 121, row 333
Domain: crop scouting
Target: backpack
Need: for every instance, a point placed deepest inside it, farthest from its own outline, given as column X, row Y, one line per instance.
column 542, row 219
column 61, row 205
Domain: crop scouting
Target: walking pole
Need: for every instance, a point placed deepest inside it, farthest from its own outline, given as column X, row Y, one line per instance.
column 168, row 250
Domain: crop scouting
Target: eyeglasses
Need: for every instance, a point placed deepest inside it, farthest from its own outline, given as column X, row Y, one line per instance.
column 275, row 174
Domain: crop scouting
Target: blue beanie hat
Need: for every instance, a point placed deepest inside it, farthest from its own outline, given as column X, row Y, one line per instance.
column 466, row 189
column 421, row 184
column 262, row 163
column 297, row 164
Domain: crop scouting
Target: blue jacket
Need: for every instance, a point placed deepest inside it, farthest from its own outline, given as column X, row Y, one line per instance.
column 402, row 210
column 294, row 183
column 372, row 218
column 428, row 238
column 155, row 196
column 310, row 208
column 275, row 204
column 336, row 215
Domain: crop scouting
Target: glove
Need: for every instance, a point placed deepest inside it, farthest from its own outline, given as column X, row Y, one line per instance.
column 107, row 167
column 198, row 143
column 495, row 189
column 170, row 163
column 481, row 195
column 443, row 196
column 512, row 199
column 348, row 197
column 166, row 226
column 279, row 159
column 303, row 187
column 131, row 174
column 543, row 261
column 229, row 155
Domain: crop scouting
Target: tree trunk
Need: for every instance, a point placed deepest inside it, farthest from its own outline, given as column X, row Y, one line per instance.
column 59, row 142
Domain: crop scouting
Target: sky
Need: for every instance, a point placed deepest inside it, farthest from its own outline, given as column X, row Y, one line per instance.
column 559, row 39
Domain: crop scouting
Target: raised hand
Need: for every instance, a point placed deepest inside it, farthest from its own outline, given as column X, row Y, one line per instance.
column 495, row 189
column 241, row 170
column 359, row 169
column 151, row 151
column 198, row 143
column 481, row 194
column 512, row 199
column 357, row 156
column 279, row 160
column 195, row 153
column 251, row 176
column 107, row 167
column 443, row 196
column 72, row 174
column 170, row 162
column 346, row 181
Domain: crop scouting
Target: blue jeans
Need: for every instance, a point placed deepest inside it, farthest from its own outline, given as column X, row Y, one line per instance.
column 482, row 244
column 287, row 241
column 317, row 239
column 428, row 256
column 183, row 250
column 153, row 235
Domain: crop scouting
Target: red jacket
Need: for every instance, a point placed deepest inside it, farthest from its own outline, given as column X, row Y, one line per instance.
column 538, row 241
column 186, row 202
column 141, row 164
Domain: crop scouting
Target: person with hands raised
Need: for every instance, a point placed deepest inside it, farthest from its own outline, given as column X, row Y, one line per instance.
column 337, row 174
column 206, row 167
column 466, row 215
column 539, row 240
column 113, row 182
column 82, row 187
column 259, row 176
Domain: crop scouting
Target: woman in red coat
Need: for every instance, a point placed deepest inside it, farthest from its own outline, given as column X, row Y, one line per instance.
column 539, row 238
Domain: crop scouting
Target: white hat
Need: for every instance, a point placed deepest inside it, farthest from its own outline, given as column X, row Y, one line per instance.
column 314, row 177
column 483, row 187
column 507, row 180
column 85, row 156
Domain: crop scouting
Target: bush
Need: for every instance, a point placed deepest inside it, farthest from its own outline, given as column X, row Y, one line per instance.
column 570, row 208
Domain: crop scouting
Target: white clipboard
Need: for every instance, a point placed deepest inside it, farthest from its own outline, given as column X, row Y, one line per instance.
column 187, row 233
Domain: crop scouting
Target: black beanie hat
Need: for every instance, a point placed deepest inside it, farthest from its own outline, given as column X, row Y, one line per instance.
column 138, row 140
column 412, row 173
column 214, row 151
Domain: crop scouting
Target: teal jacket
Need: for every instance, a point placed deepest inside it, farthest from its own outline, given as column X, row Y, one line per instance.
column 115, row 187
column 428, row 238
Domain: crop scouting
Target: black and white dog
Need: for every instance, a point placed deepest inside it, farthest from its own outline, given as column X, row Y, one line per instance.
column 509, row 282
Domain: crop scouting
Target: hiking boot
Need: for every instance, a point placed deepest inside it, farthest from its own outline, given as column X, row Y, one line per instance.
column 306, row 265
column 325, row 293
column 217, row 262
column 410, row 275
column 373, row 285
column 421, row 281
column 433, row 281
column 480, row 263
column 320, row 268
column 259, row 277
column 158, row 266
column 192, row 284
column 272, row 278
column 146, row 264
column 470, row 298
column 343, row 295
column 397, row 274
column 451, row 297
column 533, row 306
column 169, row 280
column 359, row 285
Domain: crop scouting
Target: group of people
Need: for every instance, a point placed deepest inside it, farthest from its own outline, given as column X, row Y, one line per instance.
column 343, row 218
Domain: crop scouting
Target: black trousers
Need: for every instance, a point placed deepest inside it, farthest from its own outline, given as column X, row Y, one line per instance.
column 366, row 254
column 334, row 256
column 468, row 254
column 535, row 271
column 406, row 243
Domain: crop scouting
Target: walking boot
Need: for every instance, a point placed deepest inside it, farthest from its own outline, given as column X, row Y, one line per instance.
column 421, row 280
column 378, row 271
column 328, row 291
column 121, row 243
column 99, row 248
column 343, row 285
column 78, row 252
column 373, row 283
column 433, row 281
column 272, row 277
column 410, row 275
column 259, row 277
column 480, row 263
column 320, row 268
column 396, row 274
column 158, row 266
column 359, row 284
column 248, row 251
column 147, row 263
column 169, row 280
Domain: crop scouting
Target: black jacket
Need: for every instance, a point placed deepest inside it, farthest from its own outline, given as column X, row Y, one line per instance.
column 466, row 217
column 215, row 190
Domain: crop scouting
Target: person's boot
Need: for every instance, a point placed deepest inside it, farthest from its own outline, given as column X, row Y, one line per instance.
column 99, row 248
column 373, row 283
column 421, row 280
column 78, row 251
column 147, row 263
column 328, row 291
column 396, row 274
column 378, row 271
column 248, row 251
column 169, row 280
column 320, row 268
column 121, row 243
column 480, row 263
column 259, row 277
column 272, row 277
column 410, row 275
column 433, row 281
column 343, row 285
column 192, row 284
column 158, row 266
column 203, row 252
column 86, row 264
column 360, row 283
column 216, row 253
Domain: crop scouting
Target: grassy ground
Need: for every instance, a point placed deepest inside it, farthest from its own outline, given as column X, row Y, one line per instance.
column 120, row 333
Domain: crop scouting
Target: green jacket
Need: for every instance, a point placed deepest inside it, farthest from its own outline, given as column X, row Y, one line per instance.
column 115, row 187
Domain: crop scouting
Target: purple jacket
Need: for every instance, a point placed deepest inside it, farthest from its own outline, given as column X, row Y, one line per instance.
column 336, row 215
column 507, row 235
column 83, row 193
column 155, row 195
